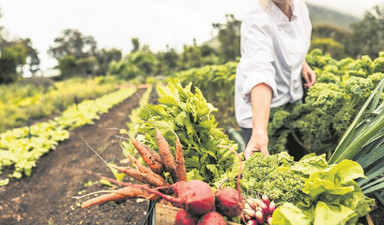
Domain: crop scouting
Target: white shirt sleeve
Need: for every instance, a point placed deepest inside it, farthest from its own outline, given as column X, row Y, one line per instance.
column 256, row 55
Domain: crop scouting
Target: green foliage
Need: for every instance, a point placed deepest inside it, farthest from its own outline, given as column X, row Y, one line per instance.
column 217, row 82
column 124, row 70
column 67, row 66
column 144, row 61
column 328, row 45
column 331, row 196
column 279, row 176
column 190, row 116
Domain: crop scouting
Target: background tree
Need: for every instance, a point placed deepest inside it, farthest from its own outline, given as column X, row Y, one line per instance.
column 13, row 57
column 190, row 57
column 136, row 44
column 67, row 66
column 32, row 55
column 145, row 60
column 168, row 60
column 73, row 42
column 229, row 37
column 104, row 57
column 368, row 35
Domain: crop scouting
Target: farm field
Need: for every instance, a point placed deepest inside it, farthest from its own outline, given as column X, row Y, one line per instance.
column 46, row 196
column 104, row 135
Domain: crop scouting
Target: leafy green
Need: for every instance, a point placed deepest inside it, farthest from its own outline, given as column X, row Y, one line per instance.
column 279, row 176
column 190, row 116
column 331, row 196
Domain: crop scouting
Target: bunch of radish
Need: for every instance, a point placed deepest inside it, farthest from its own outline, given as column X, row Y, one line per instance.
column 198, row 204
column 258, row 211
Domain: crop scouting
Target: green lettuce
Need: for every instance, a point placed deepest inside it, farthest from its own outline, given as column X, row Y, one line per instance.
column 331, row 196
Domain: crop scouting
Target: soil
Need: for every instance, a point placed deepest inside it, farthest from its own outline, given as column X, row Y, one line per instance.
column 46, row 197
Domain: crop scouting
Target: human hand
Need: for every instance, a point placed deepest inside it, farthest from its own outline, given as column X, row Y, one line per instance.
column 309, row 75
column 257, row 143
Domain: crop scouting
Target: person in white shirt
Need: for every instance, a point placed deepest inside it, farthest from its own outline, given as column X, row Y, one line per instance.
column 275, row 39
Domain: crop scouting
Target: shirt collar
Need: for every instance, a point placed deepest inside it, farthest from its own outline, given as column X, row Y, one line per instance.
column 278, row 15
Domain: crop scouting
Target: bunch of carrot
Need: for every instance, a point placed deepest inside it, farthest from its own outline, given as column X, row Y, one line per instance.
column 151, row 175
column 198, row 203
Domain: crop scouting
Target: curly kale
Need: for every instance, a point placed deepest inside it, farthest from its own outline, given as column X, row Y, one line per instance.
column 329, row 106
column 279, row 176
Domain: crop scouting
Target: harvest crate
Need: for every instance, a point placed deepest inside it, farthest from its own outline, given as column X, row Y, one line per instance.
column 165, row 215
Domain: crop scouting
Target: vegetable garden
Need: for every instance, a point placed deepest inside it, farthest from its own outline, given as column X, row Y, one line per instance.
column 326, row 166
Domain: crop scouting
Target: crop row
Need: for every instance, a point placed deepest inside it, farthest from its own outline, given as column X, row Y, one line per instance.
column 22, row 102
column 21, row 148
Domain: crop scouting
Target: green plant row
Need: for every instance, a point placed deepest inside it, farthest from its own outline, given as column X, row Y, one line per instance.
column 22, row 102
column 21, row 148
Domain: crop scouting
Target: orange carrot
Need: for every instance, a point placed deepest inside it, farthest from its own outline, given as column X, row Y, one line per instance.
column 144, row 169
column 180, row 164
column 142, row 177
column 120, row 194
column 150, row 157
column 166, row 155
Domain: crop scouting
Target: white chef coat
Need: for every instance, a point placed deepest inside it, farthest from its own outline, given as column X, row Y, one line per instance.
column 273, row 50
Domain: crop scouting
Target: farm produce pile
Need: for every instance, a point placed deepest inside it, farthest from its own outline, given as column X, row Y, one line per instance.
column 186, row 160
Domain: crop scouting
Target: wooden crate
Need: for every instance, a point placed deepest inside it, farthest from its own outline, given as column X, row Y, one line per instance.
column 165, row 215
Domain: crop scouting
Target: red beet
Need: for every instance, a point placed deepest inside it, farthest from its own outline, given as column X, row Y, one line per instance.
column 184, row 218
column 212, row 218
column 229, row 201
column 195, row 196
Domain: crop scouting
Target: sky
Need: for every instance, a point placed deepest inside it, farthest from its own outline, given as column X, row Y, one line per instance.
column 113, row 23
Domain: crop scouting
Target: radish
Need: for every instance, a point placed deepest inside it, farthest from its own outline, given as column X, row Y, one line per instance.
column 252, row 222
column 269, row 220
column 265, row 199
column 271, row 207
column 229, row 201
column 184, row 218
column 259, row 216
column 249, row 213
column 263, row 206
column 212, row 218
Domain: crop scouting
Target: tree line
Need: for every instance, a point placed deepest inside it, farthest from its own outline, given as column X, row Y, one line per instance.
column 78, row 55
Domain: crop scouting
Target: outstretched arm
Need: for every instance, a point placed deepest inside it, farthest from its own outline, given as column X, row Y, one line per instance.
column 261, row 96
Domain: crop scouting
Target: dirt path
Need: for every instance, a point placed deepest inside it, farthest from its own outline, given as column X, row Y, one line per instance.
column 46, row 196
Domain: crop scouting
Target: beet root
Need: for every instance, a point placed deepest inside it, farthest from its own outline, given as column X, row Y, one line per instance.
column 184, row 218
column 229, row 202
column 212, row 218
column 198, row 197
